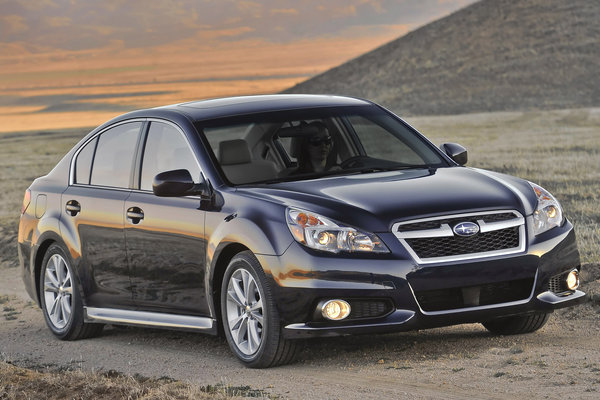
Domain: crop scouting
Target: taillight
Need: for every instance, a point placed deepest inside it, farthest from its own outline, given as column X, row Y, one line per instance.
column 26, row 201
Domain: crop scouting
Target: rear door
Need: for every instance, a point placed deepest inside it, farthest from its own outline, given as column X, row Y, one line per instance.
column 93, row 214
column 165, row 236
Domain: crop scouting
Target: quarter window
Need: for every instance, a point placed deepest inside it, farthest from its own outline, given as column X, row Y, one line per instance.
column 114, row 156
column 83, row 165
column 166, row 150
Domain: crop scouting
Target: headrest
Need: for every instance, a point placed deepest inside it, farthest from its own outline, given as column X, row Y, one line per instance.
column 233, row 152
column 296, row 146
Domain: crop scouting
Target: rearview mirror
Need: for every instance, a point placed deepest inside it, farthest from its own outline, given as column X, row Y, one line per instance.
column 456, row 152
column 177, row 183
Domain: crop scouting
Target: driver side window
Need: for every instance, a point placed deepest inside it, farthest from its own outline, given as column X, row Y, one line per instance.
column 166, row 149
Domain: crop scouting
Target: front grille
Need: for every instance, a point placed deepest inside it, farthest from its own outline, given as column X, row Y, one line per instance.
column 474, row 296
column 433, row 239
column 558, row 284
column 369, row 308
column 456, row 245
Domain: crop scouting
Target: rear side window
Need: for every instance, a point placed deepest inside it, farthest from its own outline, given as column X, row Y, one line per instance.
column 115, row 151
column 83, row 165
column 166, row 149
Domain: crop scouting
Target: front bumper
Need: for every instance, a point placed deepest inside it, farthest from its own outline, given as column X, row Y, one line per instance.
column 301, row 278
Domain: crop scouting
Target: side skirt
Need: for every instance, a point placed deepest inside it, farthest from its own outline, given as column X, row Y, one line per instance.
column 150, row 319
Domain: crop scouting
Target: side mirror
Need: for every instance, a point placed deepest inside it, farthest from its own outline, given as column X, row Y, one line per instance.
column 456, row 152
column 178, row 183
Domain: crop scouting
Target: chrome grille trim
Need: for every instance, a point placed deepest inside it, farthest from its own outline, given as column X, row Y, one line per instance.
column 444, row 230
column 496, row 226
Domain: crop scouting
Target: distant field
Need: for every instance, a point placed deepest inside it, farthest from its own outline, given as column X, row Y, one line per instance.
column 560, row 150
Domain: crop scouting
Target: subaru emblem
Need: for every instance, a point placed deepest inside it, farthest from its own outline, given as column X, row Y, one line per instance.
column 466, row 229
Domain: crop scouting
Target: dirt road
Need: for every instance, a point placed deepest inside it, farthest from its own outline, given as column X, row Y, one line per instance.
column 561, row 361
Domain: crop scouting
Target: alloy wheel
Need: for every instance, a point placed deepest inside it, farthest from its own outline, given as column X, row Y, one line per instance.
column 58, row 291
column 245, row 312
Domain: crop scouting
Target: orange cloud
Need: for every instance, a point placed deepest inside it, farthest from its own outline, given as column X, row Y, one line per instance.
column 286, row 11
column 57, row 22
column 12, row 24
column 250, row 7
column 225, row 33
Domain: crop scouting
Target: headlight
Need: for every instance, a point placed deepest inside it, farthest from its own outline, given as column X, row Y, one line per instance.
column 320, row 233
column 548, row 213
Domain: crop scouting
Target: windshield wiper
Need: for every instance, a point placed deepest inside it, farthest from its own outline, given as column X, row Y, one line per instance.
column 394, row 168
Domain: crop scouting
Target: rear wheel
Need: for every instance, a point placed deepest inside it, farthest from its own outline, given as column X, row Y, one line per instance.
column 250, row 318
column 60, row 298
column 517, row 324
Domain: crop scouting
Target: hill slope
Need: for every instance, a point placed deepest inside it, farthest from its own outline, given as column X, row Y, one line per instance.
column 490, row 56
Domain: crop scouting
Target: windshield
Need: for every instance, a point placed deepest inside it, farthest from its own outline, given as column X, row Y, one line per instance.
column 307, row 144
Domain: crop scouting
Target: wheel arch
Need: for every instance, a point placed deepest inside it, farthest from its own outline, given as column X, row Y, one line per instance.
column 40, row 253
column 39, row 258
column 222, row 257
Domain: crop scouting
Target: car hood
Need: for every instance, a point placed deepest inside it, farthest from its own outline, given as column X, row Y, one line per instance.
column 374, row 201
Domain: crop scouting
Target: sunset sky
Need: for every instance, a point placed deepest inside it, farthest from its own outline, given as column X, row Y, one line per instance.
column 95, row 59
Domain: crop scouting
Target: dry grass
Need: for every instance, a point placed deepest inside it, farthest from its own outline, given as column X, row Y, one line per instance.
column 22, row 383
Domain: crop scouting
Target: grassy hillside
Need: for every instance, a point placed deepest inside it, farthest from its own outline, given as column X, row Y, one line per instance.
column 494, row 55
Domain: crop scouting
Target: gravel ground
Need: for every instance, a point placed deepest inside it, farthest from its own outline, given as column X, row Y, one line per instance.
column 560, row 361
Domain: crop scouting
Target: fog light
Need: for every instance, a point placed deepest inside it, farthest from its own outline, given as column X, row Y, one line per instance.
column 573, row 280
column 335, row 309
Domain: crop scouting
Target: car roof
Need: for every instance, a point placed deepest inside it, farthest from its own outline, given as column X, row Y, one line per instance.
column 229, row 106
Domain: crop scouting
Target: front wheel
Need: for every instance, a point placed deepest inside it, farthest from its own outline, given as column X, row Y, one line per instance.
column 250, row 318
column 60, row 299
column 517, row 324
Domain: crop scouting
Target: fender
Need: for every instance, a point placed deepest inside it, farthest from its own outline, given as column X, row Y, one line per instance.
column 228, row 233
column 42, row 244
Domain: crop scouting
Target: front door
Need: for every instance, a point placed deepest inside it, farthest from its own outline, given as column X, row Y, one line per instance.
column 165, row 239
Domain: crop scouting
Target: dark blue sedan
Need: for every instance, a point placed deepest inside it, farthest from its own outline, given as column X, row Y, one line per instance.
column 274, row 218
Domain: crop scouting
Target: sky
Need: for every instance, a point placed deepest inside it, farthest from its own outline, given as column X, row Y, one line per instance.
column 73, row 63
column 42, row 25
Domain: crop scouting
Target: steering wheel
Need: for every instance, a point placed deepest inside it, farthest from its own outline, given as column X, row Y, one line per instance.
column 352, row 162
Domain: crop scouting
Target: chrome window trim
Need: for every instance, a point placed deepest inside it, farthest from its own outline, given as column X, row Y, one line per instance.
column 74, row 158
column 477, row 308
column 142, row 120
column 187, row 141
column 150, row 192
column 146, row 318
column 443, row 232
column 81, row 185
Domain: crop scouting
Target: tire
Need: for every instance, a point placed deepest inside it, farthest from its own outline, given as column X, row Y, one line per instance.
column 60, row 298
column 250, row 318
column 517, row 324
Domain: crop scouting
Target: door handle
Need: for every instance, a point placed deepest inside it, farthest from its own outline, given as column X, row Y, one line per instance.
column 135, row 214
column 73, row 207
